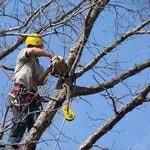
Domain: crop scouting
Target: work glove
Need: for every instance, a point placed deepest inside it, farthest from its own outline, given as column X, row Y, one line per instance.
column 59, row 66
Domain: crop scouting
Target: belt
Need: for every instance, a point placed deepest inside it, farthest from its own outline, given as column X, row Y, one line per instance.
column 19, row 85
column 23, row 86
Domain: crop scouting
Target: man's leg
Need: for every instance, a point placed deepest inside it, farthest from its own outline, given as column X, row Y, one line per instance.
column 15, row 135
column 16, row 132
column 2, row 145
column 32, row 118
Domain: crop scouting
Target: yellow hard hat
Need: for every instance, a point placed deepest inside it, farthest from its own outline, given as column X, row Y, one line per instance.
column 34, row 40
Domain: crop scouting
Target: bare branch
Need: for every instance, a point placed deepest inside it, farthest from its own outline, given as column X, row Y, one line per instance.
column 143, row 32
column 100, row 147
column 3, row 122
column 12, row 48
column 31, row 18
column 110, row 48
column 109, row 84
column 76, row 52
column 115, row 119
column 8, row 68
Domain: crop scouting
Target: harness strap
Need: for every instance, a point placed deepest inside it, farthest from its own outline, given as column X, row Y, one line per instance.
column 20, row 96
column 24, row 87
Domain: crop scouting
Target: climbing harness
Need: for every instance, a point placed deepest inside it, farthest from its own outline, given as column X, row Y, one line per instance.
column 20, row 96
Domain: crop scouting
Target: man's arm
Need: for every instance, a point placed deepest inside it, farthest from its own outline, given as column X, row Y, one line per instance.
column 39, row 52
column 43, row 76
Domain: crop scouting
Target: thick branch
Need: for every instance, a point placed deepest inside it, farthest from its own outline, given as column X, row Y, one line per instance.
column 93, row 14
column 109, row 84
column 115, row 119
column 12, row 48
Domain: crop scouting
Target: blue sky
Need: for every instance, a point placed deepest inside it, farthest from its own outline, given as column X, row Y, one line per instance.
column 134, row 129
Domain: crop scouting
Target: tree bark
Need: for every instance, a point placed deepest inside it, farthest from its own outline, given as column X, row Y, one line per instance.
column 44, row 120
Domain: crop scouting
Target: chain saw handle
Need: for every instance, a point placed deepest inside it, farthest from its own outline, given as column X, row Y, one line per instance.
column 59, row 66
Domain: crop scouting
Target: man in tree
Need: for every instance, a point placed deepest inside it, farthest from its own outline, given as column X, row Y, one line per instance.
column 29, row 74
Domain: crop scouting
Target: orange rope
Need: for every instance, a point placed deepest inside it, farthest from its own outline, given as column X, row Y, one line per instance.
column 6, row 73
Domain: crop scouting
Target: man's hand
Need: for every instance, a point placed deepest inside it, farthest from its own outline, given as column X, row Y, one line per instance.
column 59, row 65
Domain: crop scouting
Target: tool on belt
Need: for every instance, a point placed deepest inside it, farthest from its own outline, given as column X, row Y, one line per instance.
column 20, row 96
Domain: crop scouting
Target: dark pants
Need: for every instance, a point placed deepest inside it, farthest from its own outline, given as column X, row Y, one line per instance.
column 24, row 117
